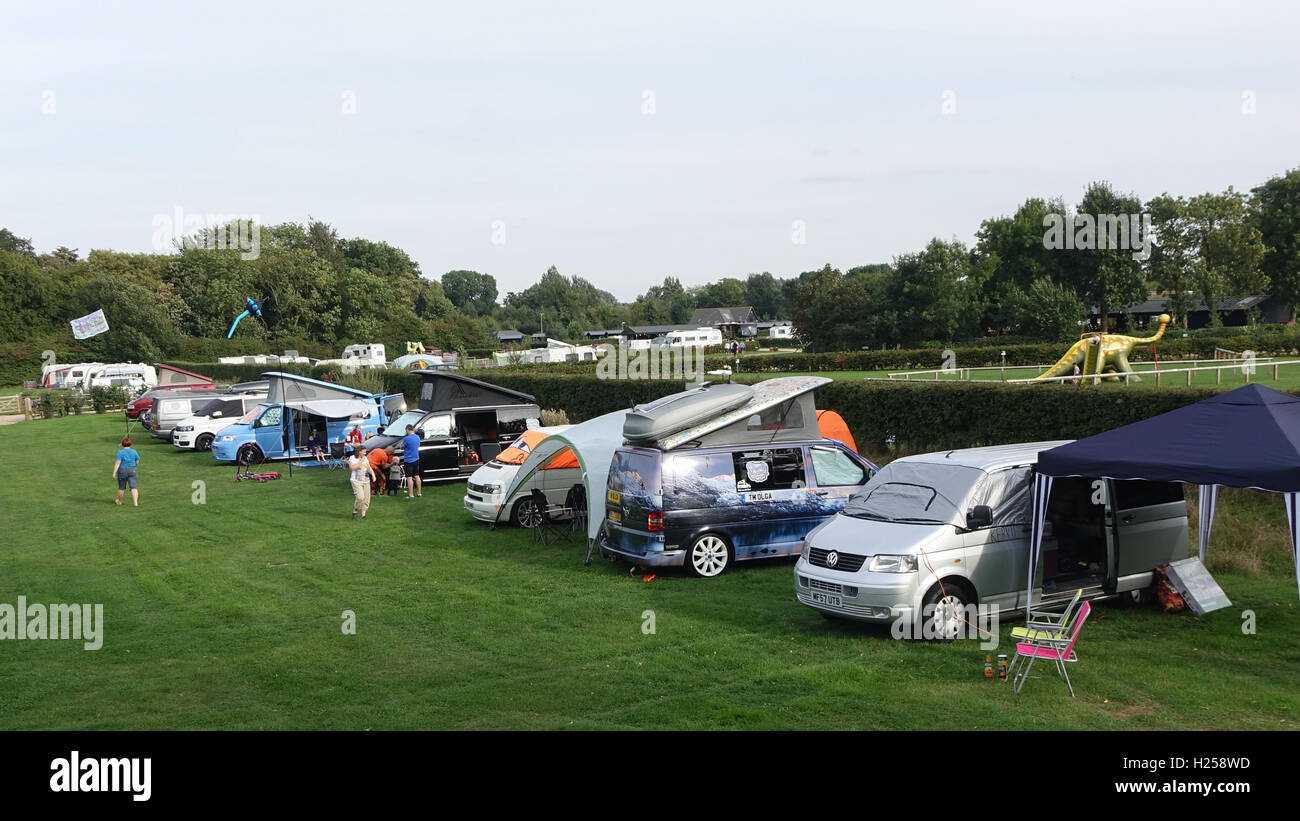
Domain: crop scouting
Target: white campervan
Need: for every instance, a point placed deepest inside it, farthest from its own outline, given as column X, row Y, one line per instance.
column 197, row 432
column 485, row 492
column 932, row 534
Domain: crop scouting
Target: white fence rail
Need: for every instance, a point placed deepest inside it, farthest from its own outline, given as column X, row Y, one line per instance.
column 1247, row 367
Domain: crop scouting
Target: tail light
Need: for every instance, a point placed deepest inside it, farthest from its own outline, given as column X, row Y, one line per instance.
column 655, row 521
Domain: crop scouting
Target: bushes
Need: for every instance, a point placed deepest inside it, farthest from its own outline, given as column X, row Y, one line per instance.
column 901, row 416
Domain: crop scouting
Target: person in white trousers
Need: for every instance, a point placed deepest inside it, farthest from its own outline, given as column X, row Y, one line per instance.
column 361, row 477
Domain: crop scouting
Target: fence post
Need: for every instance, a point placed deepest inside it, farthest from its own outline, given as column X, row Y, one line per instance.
column 25, row 405
column 1189, row 377
column 1218, row 375
column 1275, row 372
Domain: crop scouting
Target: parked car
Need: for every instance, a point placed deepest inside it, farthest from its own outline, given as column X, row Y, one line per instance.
column 199, row 431
column 963, row 518
column 170, row 408
column 485, row 491
column 744, row 482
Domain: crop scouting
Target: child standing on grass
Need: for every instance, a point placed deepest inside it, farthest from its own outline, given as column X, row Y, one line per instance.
column 124, row 471
column 362, row 475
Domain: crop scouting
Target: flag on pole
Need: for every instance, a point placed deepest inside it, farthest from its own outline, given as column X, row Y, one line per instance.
column 89, row 325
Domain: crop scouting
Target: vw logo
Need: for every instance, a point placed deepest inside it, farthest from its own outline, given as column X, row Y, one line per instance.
column 832, row 559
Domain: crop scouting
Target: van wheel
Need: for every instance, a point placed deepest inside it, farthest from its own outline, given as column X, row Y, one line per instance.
column 204, row 442
column 708, row 556
column 946, row 608
column 1134, row 598
column 526, row 513
column 249, row 454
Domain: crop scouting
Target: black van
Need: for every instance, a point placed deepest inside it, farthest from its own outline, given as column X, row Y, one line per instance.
column 461, row 422
column 750, row 488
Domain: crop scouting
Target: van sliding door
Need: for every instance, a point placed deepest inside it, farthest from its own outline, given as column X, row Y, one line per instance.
column 1146, row 525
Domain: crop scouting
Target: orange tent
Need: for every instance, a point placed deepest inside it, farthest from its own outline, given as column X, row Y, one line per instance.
column 833, row 426
column 521, row 447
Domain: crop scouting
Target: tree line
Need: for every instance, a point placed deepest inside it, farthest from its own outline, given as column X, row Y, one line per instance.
column 1033, row 274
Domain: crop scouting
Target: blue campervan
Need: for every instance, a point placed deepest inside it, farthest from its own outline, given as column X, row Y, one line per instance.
column 280, row 427
column 747, row 483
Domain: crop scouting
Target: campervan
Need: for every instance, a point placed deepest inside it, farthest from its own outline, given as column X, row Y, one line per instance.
column 280, row 426
column 370, row 355
column 462, row 423
column 725, row 473
column 197, row 432
column 930, row 535
column 485, row 491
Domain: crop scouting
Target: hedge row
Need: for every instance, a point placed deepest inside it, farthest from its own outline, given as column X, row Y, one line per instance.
column 887, row 417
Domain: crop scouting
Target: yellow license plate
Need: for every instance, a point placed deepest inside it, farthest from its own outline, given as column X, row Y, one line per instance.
column 614, row 497
column 615, row 516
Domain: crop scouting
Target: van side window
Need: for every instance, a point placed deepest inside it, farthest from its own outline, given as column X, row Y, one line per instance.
column 437, row 426
column 698, row 480
column 269, row 419
column 1010, row 494
column 832, row 467
column 232, row 407
column 779, row 469
column 788, row 414
column 1135, row 493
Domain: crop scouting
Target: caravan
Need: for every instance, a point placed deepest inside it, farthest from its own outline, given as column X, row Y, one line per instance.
column 279, row 427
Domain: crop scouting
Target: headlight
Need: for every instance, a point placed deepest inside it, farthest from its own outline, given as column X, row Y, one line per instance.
column 227, row 438
column 803, row 551
column 892, row 564
column 184, row 428
column 492, row 490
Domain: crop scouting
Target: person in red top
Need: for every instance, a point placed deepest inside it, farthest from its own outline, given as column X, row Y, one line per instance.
column 354, row 436
column 380, row 459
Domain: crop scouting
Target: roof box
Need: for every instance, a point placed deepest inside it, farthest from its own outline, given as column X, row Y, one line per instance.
column 663, row 417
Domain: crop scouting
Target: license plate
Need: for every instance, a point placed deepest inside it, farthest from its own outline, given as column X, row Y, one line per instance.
column 614, row 497
column 615, row 516
column 825, row 598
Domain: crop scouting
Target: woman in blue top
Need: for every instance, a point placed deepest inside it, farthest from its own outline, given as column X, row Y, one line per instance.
column 124, row 472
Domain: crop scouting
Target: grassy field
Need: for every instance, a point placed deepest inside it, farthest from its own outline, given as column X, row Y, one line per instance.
column 227, row 614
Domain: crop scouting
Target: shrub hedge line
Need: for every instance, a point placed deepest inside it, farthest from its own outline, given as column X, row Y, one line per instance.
column 893, row 416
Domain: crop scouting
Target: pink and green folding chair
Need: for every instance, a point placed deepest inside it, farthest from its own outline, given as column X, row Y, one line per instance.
column 1045, row 624
column 1058, row 649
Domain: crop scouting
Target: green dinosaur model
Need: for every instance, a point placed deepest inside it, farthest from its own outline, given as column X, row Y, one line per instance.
column 1100, row 353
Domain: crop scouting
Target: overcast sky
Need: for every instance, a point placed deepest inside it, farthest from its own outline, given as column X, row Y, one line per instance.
column 625, row 143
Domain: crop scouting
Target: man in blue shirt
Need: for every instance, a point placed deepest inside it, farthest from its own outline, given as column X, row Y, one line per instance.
column 411, row 463
column 124, row 471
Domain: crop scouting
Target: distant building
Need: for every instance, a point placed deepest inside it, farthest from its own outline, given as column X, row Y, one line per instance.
column 733, row 322
column 509, row 337
column 1234, row 311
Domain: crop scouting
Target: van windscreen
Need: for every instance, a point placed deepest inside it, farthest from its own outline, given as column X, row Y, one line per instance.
column 916, row 493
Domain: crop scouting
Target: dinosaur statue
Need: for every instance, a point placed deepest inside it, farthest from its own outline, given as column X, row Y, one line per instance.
column 1098, row 353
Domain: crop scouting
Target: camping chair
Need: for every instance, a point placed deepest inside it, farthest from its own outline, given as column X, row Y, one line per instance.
column 544, row 532
column 576, row 503
column 1059, row 649
column 1044, row 624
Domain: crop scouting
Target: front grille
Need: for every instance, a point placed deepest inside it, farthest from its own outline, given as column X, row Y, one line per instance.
column 477, row 488
column 846, row 562
column 474, row 497
column 825, row 587
column 857, row 609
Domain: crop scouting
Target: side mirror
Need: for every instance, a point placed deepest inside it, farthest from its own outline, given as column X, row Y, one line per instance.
column 420, row 433
column 979, row 516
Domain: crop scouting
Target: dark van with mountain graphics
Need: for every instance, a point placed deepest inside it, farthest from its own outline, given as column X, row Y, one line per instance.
column 725, row 473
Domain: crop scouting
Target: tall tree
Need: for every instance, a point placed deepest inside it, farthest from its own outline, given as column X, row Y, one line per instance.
column 1173, row 253
column 470, row 291
column 1229, row 249
column 1275, row 212
column 1097, row 270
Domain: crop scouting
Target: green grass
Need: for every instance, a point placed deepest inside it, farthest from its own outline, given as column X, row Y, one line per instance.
column 227, row 615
